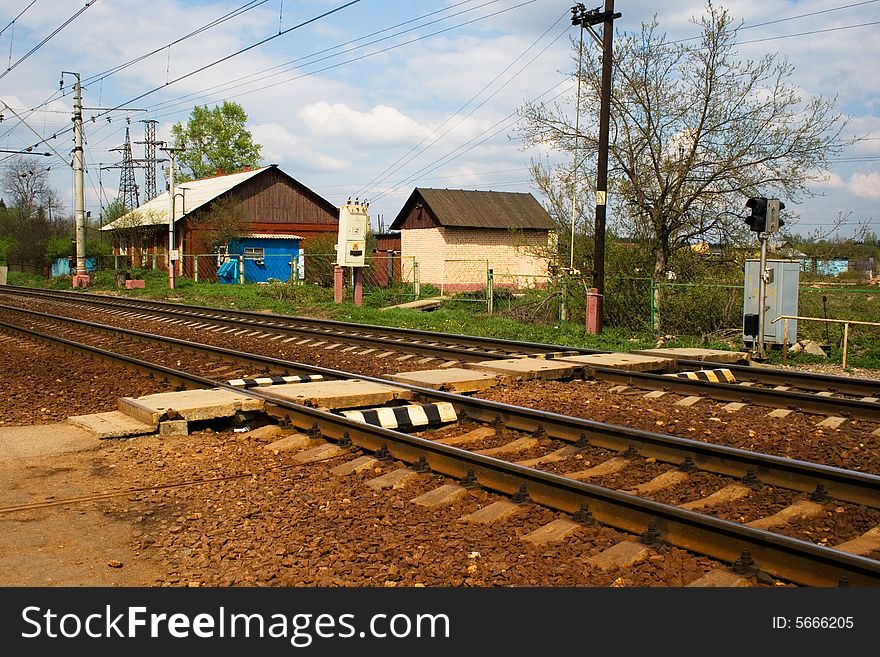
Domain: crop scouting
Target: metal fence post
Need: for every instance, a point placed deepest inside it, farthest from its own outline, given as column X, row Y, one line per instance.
column 653, row 309
column 417, row 286
column 196, row 267
column 490, row 291
column 241, row 270
column 845, row 340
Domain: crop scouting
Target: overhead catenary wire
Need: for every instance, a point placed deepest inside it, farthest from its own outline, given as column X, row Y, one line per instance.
column 211, row 64
column 44, row 41
column 366, row 56
column 414, row 152
column 255, row 77
column 20, row 14
column 248, row 6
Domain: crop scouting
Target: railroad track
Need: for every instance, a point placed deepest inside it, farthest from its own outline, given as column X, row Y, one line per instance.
column 771, row 552
column 828, row 395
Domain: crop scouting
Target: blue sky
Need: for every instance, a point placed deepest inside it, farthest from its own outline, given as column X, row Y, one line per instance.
column 428, row 103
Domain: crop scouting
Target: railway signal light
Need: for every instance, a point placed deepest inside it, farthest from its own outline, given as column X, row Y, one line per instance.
column 774, row 221
column 757, row 221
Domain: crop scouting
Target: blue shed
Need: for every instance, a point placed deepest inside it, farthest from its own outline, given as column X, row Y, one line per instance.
column 61, row 267
column 265, row 257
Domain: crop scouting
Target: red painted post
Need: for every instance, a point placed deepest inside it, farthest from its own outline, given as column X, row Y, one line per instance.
column 358, row 286
column 338, row 293
column 592, row 318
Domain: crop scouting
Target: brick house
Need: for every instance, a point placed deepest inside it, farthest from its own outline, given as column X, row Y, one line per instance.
column 278, row 212
column 456, row 235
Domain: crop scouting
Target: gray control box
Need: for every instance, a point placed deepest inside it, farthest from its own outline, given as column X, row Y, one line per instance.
column 782, row 298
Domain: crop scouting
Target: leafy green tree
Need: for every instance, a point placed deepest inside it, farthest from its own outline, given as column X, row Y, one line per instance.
column 214, row 139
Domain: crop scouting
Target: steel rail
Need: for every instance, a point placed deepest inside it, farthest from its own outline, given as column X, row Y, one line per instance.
column 778, row 555
column 807, row 381
column 806, row 402
column 837, row 483
column 263, row 320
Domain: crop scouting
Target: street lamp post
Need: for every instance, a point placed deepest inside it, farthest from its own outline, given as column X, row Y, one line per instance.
column 172, row 153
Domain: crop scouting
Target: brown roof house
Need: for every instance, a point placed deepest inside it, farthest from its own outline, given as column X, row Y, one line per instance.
column 273, row 213
column 457, row 235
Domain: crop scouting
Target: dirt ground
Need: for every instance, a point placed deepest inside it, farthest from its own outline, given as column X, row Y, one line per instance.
column 70, row 545
column 279, row 524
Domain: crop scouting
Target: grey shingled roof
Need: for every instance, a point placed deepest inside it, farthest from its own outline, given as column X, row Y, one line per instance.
column 479, row 209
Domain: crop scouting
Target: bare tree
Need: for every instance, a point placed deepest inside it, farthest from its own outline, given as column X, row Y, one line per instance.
column 695, row 131
column 226, row 221
column 34, row 211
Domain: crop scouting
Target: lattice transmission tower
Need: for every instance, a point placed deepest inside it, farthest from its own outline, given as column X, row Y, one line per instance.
column 128, row 189
column 149, row 161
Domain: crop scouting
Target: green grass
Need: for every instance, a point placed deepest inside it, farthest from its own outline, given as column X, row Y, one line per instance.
column 470, row 317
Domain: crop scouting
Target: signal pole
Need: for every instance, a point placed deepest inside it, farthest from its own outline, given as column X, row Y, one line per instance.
column 81, row 278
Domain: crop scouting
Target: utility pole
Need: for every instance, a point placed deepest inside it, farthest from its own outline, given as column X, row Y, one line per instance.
column 587, row 19
column 81, row 279
column 172, row 252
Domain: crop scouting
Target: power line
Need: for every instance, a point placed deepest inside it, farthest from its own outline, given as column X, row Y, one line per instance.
column 415, row 151
column 812, row 13
column 231, row 84
column 828, row 29
column 789, row 18
column 206, row 66
column 242, row 50
column 455, row 154
column 43, row 42
column 253, row 4
column 20, row 14
column 360, row 57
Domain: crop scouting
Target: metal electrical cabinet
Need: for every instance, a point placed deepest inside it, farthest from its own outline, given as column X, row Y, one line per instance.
column 354, row 219
column 782, row 298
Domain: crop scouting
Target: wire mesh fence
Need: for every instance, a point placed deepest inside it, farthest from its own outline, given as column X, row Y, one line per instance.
column 464, row 279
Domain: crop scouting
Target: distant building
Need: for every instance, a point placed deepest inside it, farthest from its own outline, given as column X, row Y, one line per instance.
column 279, row 212
column 456, row 235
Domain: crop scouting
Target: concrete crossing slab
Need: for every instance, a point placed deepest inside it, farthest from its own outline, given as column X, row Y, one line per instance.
column 201, row 404
column 452, row 379
column 348, row 393
column 527, row 368
column 114, row 424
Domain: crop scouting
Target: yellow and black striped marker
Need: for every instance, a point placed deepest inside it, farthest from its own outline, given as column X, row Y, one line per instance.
column 722, row 375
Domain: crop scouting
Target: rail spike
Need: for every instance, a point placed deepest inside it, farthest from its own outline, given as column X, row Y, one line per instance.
column 745, row 565
column 521, row 496
column 584, row 516
column 651, row 536
column 470, row 480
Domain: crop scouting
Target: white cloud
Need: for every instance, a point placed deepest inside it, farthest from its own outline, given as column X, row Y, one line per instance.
column 865, row 185
column 382, row 125
column 828, row 179
column 280, row 146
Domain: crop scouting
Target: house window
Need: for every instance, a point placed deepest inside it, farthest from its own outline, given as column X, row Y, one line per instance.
column 254, row 254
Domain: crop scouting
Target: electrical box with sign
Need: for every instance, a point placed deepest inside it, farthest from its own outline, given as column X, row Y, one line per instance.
column 351, row 246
